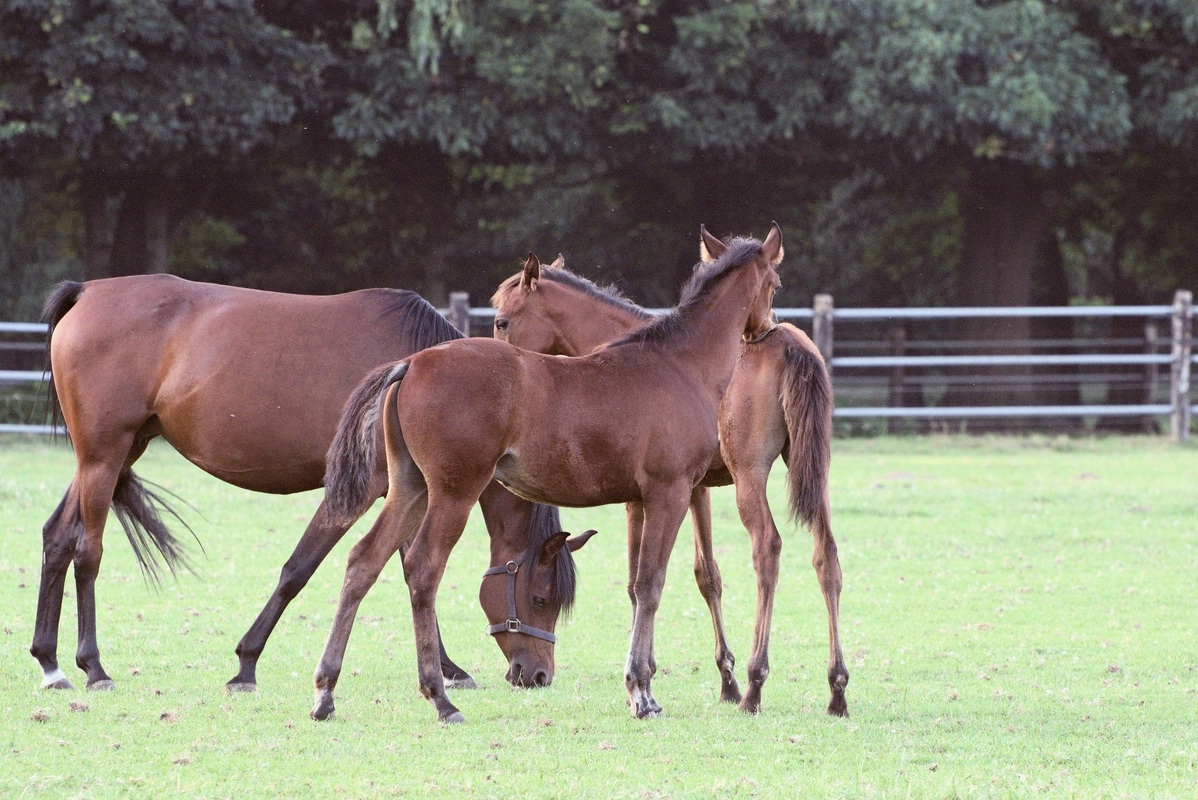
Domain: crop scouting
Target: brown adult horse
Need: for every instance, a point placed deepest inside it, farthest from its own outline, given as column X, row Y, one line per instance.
column 248, row 386
column 635, row 422
column 779, row 402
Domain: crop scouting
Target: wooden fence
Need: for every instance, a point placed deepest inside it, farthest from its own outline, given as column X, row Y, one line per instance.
column 1113, row 367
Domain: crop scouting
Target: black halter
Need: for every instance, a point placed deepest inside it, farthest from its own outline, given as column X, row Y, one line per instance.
column 513, row 623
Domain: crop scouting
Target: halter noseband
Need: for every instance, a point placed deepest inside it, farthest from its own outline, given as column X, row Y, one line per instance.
column 513, row 623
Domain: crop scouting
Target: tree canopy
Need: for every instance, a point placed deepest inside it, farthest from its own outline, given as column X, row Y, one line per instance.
column 914, row 151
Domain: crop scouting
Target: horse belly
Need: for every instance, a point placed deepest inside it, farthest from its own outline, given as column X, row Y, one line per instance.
column 565, row 483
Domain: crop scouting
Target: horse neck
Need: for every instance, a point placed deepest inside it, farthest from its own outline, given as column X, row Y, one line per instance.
column 598, row 323
column 716, row 326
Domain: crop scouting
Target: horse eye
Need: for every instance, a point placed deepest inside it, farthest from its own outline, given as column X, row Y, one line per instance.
column 540, row 602
column 501, row 324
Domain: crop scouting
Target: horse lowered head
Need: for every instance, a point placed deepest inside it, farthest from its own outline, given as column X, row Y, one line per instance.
column 523, row 598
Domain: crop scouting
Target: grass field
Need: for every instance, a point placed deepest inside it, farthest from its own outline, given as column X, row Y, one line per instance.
column 1018, row 620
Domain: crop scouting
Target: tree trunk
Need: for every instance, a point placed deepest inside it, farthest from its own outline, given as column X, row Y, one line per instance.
column 94, row 194
column 143, row 238
column 1005, row 218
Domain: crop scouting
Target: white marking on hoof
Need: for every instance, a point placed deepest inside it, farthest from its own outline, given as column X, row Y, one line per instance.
column 105, row 685
column 460, row 683
column 55, row 679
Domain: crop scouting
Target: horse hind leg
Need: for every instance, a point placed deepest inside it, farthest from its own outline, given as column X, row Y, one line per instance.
column 59, row 536
column 707, row 576
column 755, row 513
column 96, row 487
column 827, row 569
column 365, row 563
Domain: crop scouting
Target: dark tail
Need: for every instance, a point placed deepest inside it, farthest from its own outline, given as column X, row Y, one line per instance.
column 136, row 507
column 807, row 407
column 60, row 301
column 350, row 462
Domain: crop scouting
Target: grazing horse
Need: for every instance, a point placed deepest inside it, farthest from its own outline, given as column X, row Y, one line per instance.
column 248, row 386
column 633, row 423
column 779, row 402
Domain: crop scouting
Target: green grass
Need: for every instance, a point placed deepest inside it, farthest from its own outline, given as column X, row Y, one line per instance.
column 1018, row 619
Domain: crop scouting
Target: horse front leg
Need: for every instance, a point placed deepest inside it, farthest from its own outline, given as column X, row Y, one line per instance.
column 59, row 535
column 711, row 586
column 755, row 514
column 827, row 568
column 663, row 517
column 319, row 539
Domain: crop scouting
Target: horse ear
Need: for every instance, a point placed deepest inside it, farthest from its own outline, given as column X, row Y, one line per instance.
column 710, row 248
column 575, row 543
column 550, row 549
column 772, row 246
column 532, row 272
column 559, row 262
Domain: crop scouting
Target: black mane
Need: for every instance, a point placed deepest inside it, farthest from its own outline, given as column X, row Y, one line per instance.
column 543, row 522
column 421, row 324
column 672, row 326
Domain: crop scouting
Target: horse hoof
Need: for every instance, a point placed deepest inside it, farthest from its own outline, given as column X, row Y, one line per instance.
column 838, row 707
column 322, row 710
column 102, row 685
column 749, row 708
column 234, row 687
column 57, row 682
column 730, row 694
column 465, row 682
column 453, row 718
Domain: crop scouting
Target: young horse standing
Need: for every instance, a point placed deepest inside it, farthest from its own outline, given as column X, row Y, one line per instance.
column 779, row 402
column 248, row 386
column 634, row 423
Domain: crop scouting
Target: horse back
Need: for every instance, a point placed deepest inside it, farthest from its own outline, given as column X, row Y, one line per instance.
column 247, row 384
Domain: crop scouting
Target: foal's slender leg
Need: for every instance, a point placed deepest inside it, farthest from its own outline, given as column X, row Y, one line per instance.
column 635, row 514
column 827, row 569
column 320, row 537
column 59, row 535
column 755, row 513
column 425, row 562
column 365, row 563
column 711, row 586
column 663, row 516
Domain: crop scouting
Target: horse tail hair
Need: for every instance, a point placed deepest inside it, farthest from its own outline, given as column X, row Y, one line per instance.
column 136, row 507
column 351, row 457
column 64, row 297
column 807, row 408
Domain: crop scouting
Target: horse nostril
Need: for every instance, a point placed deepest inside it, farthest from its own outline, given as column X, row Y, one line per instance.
column 541, row 678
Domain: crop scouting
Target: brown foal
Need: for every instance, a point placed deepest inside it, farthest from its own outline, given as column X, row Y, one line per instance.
column 632, row 423
column 779, row 402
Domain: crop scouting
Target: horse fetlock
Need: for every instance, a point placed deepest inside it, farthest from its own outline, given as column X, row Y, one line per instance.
column 55, row 679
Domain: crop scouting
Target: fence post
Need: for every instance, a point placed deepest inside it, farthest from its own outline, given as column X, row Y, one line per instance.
column 459, row 311
column 821, row 327
column 898, row 389
column 1183, row 331
column 1152, row 381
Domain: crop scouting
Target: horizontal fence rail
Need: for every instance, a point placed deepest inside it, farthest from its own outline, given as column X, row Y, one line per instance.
column 1162, row 366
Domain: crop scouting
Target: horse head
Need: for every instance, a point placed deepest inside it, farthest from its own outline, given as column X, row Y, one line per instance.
column 523, row 598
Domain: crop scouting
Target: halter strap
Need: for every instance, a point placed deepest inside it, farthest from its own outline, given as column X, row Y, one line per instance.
column 513, row 623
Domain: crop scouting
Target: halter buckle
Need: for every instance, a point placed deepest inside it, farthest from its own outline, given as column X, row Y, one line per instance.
column 513, row 626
